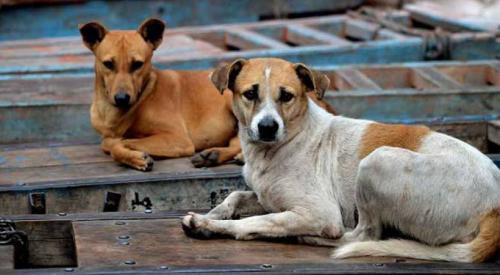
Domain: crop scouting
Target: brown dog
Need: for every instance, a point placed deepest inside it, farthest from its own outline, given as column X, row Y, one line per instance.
column 142, row 112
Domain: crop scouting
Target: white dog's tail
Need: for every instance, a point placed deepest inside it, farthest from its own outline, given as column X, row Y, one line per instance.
column 480, row 249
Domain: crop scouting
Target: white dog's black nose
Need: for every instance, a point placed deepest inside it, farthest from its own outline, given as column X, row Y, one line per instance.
column 268, row 127
column 122, row 99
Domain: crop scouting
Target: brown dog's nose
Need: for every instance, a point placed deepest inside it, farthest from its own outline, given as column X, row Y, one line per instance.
column 122, row 99
column 267, row 129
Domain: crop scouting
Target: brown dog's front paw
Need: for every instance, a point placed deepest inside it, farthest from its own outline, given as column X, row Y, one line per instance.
column 206, row 158
column 239, row 159
column 143, row 162
column 194, row 225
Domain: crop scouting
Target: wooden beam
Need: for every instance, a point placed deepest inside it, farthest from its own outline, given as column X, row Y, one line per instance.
column 494, row 131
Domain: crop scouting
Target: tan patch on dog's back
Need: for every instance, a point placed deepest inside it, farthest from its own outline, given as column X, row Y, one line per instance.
column 402, row 136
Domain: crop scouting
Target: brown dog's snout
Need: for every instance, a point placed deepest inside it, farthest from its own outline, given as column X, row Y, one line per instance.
column 122, row 99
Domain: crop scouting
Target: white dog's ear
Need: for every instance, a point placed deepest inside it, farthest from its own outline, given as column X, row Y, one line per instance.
column 313, row 80
column 224, row 76
column 92, row 34
column 152, row 31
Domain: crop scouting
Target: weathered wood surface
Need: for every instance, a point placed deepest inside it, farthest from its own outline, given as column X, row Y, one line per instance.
column 155, row 243
column 56, row 109
column 63, row 20
column 213, row 44
column 471, row 15
column 162, row 242
column 76, row 178
column 494, row 132
column 6, row 257
column 50, row 243
column 316, row 41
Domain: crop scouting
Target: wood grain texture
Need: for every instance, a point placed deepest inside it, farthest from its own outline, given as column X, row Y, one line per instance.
column 162, row 242
column 6, row 257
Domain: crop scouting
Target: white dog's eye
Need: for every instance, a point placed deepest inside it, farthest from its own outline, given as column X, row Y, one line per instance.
column 285, row 96
column 252, row 94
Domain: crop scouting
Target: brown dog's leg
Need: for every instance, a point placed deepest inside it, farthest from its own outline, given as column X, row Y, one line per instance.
column 136, row 152
column 217, row 155
column 162, row 145
column 136, row 159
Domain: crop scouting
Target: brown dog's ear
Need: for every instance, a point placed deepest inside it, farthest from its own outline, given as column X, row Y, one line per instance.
column 92, row 34
column 152, row 31
column 224, row 76
column 313, row 80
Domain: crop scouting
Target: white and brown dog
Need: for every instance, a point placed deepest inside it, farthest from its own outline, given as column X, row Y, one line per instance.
column 310, row 171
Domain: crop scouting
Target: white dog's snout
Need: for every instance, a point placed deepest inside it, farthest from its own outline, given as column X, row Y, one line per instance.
column 268, row 117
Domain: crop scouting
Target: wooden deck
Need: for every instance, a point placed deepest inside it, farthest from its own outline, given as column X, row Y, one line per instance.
column 41, row 108
column 82, row 179
column 138, row 242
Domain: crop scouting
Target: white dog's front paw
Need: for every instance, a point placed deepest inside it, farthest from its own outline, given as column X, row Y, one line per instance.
column 349, row 250
column 195, row 225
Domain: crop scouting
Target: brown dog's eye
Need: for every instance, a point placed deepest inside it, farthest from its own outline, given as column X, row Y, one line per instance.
column 285, row 96
column 136, row 65
column 252, row 94
column 109, row 64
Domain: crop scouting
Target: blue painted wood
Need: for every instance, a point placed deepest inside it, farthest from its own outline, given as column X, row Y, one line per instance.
column 62, row 20
column 42, row 108
column 391, row 51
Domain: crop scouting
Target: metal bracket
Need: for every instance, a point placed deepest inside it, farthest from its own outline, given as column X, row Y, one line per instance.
column 37, row 203
column 146, row 202
column 112, row 202
column 10, row 236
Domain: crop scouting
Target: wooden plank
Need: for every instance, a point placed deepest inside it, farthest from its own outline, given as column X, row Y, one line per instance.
column 357, row 80
column 97, row 168
column 69, row 56
column 361, row 30
column 439, row 79
column 162, row 242
column 246, row 40
column 52, row 156
column 302, row 35
column 474, row 75
column 50, row 243
column 440, row 15
column 63, row 20
column 494, row 131
column 158, row 245
column 6, row 257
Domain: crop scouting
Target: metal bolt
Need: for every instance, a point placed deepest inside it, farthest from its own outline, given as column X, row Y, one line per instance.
column 62, row 214
column 124, row 237
column 266, row 266
column 129, row 262
column 120, row 223
column 379, row 265
column 124, row 243
column 148, row 211
column 69, row 269
column 163, row 267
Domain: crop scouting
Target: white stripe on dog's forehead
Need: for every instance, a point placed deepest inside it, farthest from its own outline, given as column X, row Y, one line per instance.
column 267, row 73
